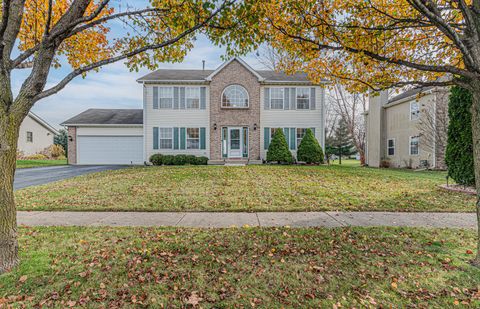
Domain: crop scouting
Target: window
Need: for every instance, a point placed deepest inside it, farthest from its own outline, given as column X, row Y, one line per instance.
column 192, row 96
column 235, row 96
column 300, row 134
column 276, row 98
column 29, row 137
column 272, row 132
column 193, row 138
column 414, row 145
column 165, row 95
column 166, row 138
column 391, row 147
column 303, row 98
column 414, row 110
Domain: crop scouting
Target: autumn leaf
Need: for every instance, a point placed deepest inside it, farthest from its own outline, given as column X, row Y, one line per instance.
column 194, row 299
column 23, row 279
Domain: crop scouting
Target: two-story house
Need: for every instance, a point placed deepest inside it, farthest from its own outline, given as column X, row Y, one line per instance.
column 409, row 129
column 228, row 115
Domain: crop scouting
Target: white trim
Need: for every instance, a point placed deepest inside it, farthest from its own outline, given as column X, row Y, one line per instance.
column 235, row 107
column 260, row 78
column 410, row 97
column 43, row 123
column 171, row 81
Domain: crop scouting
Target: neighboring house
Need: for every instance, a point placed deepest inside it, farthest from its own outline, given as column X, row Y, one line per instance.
column 227, row 114
column 408, row 130
column 35, row 135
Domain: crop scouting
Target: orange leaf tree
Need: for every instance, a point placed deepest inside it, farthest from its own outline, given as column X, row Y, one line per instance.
column 45, row 34
column 378, row 44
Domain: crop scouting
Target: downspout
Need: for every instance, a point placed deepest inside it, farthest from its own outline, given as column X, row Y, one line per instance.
column 144, row 123
column 435, row 132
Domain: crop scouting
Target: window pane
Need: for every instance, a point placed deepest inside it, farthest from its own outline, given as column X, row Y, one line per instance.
column 166, row 138
column 165, row 95
column 235, row 96
column 192, row 95
column 193, row 138
column 303, row 98
column 276, row 98
column 300, row 134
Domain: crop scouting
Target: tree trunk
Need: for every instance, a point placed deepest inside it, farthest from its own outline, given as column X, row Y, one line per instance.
column 476, row 155
column 9, row 127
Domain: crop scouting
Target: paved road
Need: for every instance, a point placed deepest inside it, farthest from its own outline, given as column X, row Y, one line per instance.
column 219, row 219
column 27, row 177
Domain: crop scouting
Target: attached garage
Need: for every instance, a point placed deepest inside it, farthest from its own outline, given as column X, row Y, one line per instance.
column 106, row 137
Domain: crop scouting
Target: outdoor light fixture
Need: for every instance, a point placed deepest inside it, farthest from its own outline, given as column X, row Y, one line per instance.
column 254, row 127
column 70, row 138
column 215, row 126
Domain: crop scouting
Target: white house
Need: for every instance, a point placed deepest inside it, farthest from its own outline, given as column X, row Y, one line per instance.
column 35, row 135
column 227, row 114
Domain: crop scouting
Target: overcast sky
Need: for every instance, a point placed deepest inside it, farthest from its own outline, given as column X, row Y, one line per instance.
column 114, row 86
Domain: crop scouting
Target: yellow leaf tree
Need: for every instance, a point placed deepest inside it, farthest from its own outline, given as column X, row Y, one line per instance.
column 41, row 35
column 379, row 44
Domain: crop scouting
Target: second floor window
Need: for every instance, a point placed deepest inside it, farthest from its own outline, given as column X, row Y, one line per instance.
column 30, row 137
column 303, row 98
column 165, row 97
column 235, row 96
column 414, row 110
column 166, row 138
column 276, row 98
column 192, row 97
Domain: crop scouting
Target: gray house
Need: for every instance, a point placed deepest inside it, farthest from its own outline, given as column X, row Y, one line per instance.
column 227, row 114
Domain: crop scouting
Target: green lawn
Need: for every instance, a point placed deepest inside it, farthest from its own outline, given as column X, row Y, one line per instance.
column 247, row 267
column 39, row 163
column 250, row 188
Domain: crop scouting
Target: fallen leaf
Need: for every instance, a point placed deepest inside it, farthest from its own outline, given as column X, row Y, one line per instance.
column 194, row 299
column 23, row 279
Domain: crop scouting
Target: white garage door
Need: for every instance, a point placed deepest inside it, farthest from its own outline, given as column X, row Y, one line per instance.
column 109, row 150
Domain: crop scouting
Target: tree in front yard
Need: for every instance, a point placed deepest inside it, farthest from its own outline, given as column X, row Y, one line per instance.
column 309, row 150
column 42, row 35
column 62, row 139
column 278, row 149
column 459, row 153
column 341, row 142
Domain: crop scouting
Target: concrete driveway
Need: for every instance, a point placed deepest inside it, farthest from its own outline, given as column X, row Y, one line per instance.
column 27, row 177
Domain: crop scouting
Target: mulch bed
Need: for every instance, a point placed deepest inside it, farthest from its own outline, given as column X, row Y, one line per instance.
column 459, row 188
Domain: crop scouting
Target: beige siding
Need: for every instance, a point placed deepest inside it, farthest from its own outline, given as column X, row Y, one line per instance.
column 293, row 118
column 401, row 128
column 169, row 118
column 42, row 138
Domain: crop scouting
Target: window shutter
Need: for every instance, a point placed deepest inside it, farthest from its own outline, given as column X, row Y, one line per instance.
column 286, row 98
column 286, row 132
column 224, row 142
column 175, row 138
column 155, row 97
column 266, row 138
column 293, row 138
column 182, row 97
column 266, row 101
column 313, row 98
column 183, row 138
column 293, row 98
column 176, row 97
column 203, row 144
column 155, row 138
column 203, row 97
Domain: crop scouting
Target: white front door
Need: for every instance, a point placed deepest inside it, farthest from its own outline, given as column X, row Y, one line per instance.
column 235, row 143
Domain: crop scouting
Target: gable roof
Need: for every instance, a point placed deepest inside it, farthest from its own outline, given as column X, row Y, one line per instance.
column 43, row 123
column 410, row 93
column 265, row 76
column 96, row 116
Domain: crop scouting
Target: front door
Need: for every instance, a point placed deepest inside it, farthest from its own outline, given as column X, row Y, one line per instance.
column 235, row 143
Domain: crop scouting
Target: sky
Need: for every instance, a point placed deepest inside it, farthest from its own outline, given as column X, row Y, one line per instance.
column 114, row 86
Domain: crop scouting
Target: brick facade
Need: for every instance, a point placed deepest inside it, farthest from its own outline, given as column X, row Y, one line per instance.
column 234, row 73
column 72, row 145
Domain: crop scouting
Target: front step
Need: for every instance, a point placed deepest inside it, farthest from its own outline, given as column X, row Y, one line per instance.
column 234, row 162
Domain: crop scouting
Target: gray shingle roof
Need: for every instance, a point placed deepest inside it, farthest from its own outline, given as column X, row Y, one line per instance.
column 282, row 76
column 409, row 93
column 108, row 116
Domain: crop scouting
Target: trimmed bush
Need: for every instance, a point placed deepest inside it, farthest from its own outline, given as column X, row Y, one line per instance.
column 278, row 149
column 37, row 156
column 309, row 150
column 156, row 159
column 459, row 152
column 181, row 159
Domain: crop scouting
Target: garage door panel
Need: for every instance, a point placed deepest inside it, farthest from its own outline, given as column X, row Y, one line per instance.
column 109, row 149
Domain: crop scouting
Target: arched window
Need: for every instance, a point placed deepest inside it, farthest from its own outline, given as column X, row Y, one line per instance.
column 235, row 96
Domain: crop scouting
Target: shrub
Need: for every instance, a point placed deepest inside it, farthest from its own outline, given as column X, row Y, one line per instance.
column 168, row 160
column 309, row 150
column 459, row 152
column 37, row 156
column 53, row 151
column 156, row 159
column 278, row 149
column 61, row 139
column 202, row 160
column 180, row 159
column 191, row 160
